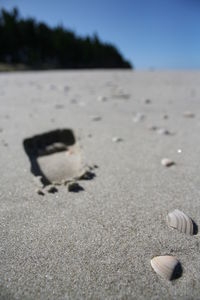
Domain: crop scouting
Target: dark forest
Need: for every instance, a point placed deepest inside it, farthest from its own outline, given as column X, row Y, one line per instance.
column 38, row 46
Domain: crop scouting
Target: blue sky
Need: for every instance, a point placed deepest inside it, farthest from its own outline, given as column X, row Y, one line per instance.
column 160, row 34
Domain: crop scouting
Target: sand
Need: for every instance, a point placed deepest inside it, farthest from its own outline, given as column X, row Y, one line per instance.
column 98, row 243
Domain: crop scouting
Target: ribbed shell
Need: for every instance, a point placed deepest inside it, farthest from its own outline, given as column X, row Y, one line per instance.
column 180, row 221
column 164, row 266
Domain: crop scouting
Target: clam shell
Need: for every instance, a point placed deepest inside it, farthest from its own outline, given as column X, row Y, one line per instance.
column 180, row 221
column 166, row 266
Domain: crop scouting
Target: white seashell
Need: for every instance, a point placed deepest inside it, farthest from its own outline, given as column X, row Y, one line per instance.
column 166, row 266
column 180, row 221
column 167, row 162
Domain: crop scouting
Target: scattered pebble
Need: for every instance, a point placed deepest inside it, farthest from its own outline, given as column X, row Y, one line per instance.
column 74, row 187
column 117, row 139
column 179, row 151
column 59, row 106
column 167, row 162
column 102, row 98
column 74, row 101
column 138, row 117
column 154, row 128
column 147, row 101
column 165, row 117
column 96, row 118
column 188, row 114
column 121, row 94
column 163, row 131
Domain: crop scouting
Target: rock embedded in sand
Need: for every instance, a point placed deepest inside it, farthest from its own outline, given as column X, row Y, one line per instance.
column 166, row 162
column 167, row 266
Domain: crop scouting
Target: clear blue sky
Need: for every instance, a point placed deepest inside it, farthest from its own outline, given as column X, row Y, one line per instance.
column 162, row 34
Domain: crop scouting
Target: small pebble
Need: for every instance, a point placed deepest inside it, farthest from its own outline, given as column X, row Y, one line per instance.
column 59, row 106
column 116, row 139
column 102, row 98
column 163, row 131
column 167, row 162
column 74, row 101
column 165, row 117
column 153, row 128
column 188, row 114
column 138, row 117
column 147, row 101
column 95, row 118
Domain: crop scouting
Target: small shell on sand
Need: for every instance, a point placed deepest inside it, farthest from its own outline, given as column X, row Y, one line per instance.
column 116, row 139
column 188, row 114
column 180, row 221
column 167, row 267
column 167, row 162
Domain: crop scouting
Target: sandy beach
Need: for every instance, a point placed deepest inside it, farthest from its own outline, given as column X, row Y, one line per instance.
column 98, row 243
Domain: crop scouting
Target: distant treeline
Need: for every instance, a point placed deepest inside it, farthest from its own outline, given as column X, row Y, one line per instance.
column 37, row 46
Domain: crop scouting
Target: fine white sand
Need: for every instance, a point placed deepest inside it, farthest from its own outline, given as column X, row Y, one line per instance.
column 98, row 243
